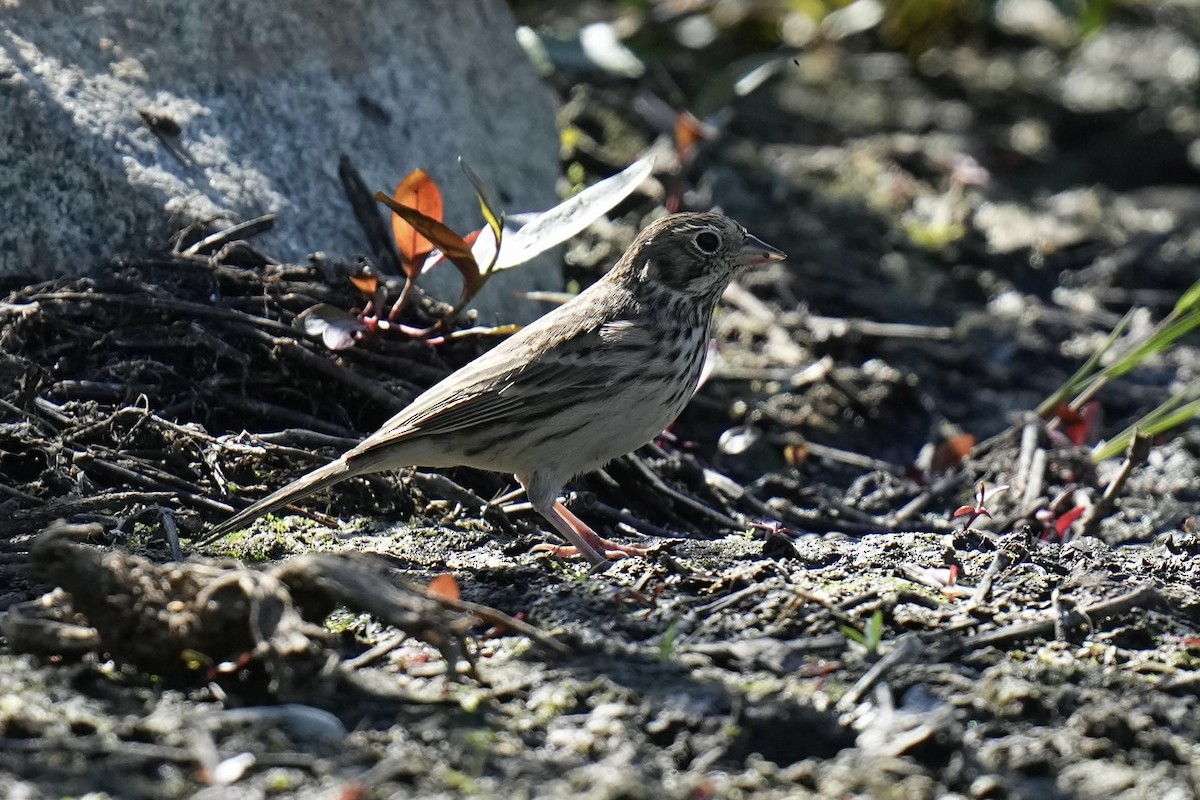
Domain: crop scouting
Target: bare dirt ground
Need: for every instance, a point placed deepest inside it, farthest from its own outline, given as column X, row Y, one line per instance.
column 970, row 207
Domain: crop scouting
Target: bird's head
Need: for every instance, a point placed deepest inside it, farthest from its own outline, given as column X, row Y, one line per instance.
column 694, row 254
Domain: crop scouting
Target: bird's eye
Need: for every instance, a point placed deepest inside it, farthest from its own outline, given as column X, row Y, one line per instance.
column 708, row 242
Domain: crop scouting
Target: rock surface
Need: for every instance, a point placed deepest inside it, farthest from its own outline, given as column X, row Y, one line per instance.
column 264, row 97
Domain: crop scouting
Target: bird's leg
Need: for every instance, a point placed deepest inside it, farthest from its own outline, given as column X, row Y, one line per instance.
column 584, row 541
column 610, row 548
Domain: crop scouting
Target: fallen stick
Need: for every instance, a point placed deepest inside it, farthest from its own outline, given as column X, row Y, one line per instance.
column 1145, row 596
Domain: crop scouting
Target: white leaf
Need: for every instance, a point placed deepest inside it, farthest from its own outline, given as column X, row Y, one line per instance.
column 231, row 769
column 563, row 221
column 337, row 328
column 340, row 335
column 600, row 44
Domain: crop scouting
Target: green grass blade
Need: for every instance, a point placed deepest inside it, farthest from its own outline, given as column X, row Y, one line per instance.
column 1077, row 381
column 1172, row 413
column 1190, row 300
column 1158, row 341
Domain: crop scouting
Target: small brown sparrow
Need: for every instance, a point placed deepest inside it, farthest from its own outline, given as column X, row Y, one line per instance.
column 594, row 379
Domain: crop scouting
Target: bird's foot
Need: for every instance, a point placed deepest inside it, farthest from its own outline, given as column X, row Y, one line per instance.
column 584, row 541
column 611, row 550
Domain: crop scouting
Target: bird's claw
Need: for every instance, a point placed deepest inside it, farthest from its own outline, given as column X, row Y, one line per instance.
column 611, row 550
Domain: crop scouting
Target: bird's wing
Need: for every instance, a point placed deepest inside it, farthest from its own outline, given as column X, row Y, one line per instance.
column 505, row 384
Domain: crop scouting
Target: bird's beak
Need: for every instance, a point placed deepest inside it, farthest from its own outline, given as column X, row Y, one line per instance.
column 756, row 251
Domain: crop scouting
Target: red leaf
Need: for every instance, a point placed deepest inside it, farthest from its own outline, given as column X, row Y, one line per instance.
column 417, row 191
column 443, row 238
column 964, row 510
column 1080, row 426
column 444, row 585
column 1063, row 523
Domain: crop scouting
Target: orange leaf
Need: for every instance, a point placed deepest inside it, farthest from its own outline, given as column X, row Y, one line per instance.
column 418, row 191
column 689, row 131
column 442, row 237
column 444, row 585
column 365, row 283
column 795, row 454
column 951, row 452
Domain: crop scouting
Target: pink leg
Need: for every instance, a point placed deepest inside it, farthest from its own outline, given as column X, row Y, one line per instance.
column 584, row 541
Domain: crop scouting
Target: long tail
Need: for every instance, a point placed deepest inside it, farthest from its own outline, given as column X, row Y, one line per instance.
column 320, row 478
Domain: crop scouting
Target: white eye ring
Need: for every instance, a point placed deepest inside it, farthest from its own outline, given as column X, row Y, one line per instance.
column 707, row 242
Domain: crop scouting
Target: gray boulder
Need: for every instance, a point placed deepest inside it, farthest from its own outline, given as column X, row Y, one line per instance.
column 255, row 102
